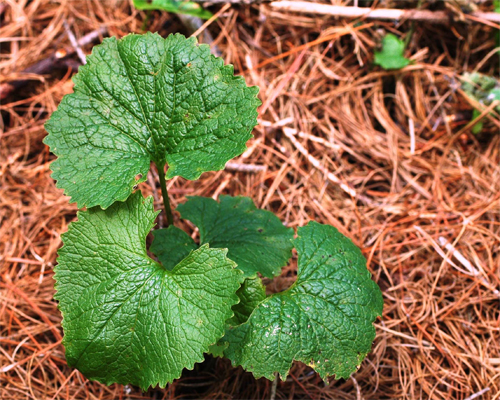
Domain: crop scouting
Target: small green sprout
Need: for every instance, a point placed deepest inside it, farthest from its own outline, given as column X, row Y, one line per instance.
column 391, row 55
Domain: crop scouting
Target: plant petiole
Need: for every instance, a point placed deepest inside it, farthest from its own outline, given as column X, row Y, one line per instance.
column 164, row 194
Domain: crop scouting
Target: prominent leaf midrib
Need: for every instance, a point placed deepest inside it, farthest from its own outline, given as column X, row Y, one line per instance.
column 308, row 260
column 108, row 149
column 110, row 317
column 155, row 80
column 118, row 48
column 142, row 255
column 165, row 324
column 159, row 272
column 310, row 323
column 174, row 105
column 133, row 334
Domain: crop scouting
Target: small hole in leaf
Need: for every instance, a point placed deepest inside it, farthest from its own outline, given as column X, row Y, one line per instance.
column 138, row 176
column 260, row 230
column 189, row 64
column 134, row 187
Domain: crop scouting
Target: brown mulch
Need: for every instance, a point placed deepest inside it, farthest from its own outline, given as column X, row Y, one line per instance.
column 387, row 157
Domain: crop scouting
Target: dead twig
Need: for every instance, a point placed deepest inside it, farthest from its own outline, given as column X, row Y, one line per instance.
column 74, row 43
column 436, row 17
column 274, row 387
column 233, row 166
column 315, row 139
column 471, row 270
column 210, row 20
column 478, row 394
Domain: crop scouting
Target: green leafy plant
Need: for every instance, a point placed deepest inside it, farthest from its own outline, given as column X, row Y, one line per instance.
column 391, row 56
column 135, row 317
column 174, row 6
column 482, row 90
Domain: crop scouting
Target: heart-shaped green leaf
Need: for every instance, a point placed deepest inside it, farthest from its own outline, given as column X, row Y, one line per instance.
column 126, row 318
column 324, row 320
column 146, row 99
column 256, row 239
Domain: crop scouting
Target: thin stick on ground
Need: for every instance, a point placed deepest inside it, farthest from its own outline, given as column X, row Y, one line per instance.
column 274, row 387
column 74, row 43
column 234, row 166
column 478, row 394
column 210, row 20
column 436, row 17
column 467, row 264
column 471, row 271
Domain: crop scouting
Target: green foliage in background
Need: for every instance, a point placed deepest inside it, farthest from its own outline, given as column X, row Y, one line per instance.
column 174, row 6
column 391, row 56
column 482, row 89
